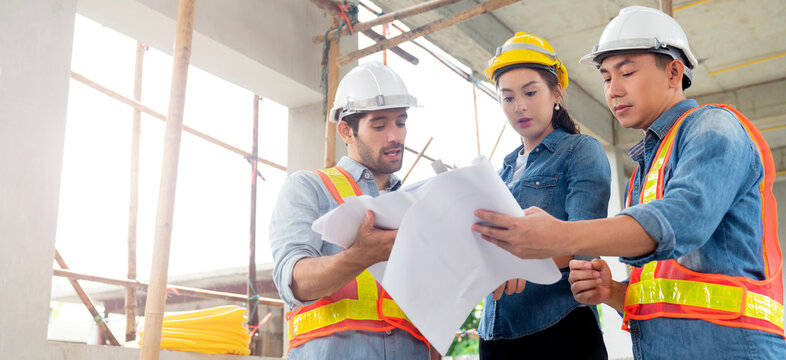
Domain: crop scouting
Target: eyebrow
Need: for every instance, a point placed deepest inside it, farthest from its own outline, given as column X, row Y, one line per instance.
column 525, row 85
column 619, row 65
column 383, row 117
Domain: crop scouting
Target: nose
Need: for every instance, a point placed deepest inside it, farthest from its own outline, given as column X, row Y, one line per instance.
column 396, row 135
column 521, row 104
column 614, row 88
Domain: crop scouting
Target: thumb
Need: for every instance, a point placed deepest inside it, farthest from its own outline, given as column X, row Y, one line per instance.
column 368, row 220
column 531, row 210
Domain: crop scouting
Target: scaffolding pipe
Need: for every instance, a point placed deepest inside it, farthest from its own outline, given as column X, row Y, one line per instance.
column 137, row 105
column 133, row 201
column 253, row 319
column 182, row 290
column 80, row 292
column 156, row 295
column 420, row 155
column 330, row 125
column 429, row 28
column 386, row 18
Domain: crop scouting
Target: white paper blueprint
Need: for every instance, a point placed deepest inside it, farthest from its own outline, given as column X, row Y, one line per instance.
column 439, row 269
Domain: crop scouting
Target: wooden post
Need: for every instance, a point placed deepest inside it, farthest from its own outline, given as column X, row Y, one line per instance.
column 253, row 317
column 502, row 131
column 425, row 29
column 88, row 303
column 156, row 296
column 133, row 201
column 666, row 6
column 389, row 17
column 330, row 126
column 385, row 52
column 475, row 103
column 420, row 155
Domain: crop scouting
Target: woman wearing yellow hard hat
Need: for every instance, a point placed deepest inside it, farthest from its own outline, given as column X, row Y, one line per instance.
column 561, row 171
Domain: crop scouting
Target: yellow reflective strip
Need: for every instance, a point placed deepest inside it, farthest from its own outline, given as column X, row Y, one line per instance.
column 391, row 309
column 684, row 292
column 367, row 286
column 341, row 182
column 333, row 313
column 763, row 307
column 706, row 295
column 651, row 182
column 648, row 271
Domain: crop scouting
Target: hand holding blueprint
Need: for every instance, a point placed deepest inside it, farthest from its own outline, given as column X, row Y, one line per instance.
column 439, row 269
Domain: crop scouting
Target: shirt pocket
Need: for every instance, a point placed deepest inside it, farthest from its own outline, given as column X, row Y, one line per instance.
column 536, row 190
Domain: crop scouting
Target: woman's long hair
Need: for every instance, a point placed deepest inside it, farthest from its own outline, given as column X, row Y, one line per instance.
column 560, row 118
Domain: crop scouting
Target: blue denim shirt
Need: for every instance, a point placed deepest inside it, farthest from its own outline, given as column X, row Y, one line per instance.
column 568, row 176
column 709, row 219
column 303, row 199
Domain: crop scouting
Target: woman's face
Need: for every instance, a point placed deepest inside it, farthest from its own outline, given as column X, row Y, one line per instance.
column 528, row 103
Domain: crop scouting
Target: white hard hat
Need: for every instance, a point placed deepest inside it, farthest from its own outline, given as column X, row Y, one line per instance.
column 370, row 86
column 643, row 29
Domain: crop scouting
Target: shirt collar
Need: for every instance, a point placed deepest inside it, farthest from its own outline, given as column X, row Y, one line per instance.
column 661, row 126
column 663, row 123
column 358, row 171
column 549, row 142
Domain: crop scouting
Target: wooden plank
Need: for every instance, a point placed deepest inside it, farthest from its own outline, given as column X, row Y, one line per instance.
column 429, row 28
column 253, row 317
column 156, row 295
column 666, row 6
column 386, row 18
column 80, row 292
column 373, row 35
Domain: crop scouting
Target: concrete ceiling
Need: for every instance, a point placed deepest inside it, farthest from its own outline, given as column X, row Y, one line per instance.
column 722, row 34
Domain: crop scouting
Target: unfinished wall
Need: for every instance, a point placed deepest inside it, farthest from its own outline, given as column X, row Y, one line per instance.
column 35, row 60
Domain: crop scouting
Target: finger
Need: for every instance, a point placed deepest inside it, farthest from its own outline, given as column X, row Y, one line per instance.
column 579, row 265
column 498, row 291
column 579, row 287
column 598, row 264
column 578, row 275
column 520, row 284
column 510, row 289
column 532, row 210
column 495, row 218
column 501, row 243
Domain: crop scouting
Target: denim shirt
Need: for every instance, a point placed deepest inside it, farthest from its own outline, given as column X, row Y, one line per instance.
column 303, row 199
column 568, row 176
column 709, row 220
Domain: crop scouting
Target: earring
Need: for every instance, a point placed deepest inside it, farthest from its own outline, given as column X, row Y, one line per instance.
column 556, row 106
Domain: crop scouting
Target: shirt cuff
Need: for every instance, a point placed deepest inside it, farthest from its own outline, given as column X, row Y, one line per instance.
column 286, row 280
column 658, row 227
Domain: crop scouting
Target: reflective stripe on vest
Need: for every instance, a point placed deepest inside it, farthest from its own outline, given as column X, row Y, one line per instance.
column 668, row 289
column 361, row 304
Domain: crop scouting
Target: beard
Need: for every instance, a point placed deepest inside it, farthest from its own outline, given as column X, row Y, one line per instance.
column 375, row 160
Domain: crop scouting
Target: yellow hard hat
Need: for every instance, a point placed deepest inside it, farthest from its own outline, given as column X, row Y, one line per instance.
column 524, row 49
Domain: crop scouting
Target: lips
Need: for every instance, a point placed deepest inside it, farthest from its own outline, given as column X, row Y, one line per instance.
column 393, row 154
column 525, row 121
column 619, row 109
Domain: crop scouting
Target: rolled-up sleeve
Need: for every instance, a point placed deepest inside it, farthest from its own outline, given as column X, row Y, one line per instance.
column 715, row 159
column 291, row 237
column 589, row 183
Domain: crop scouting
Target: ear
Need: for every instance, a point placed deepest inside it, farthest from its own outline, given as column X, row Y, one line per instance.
column 345, row 131
column 557, row 94
column 675, row 71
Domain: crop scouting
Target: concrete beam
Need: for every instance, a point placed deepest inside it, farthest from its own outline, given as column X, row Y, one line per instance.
column 593, row 117
column 262, row 46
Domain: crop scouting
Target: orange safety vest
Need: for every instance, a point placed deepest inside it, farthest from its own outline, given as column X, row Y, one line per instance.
column 668, row 289
column 362, row 304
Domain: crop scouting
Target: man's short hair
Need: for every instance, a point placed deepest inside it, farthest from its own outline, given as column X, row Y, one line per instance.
column 353, row 121
column 662, row 60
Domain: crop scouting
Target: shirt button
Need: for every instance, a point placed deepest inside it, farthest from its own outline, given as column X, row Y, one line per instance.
column 388, row 333
column 537, row 183
column 538, row 149
column 367, row 176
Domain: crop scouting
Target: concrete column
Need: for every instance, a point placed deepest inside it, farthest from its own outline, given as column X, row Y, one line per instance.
column 306, row 142
column 618, row 342
column 35, row 61
column 779, row 190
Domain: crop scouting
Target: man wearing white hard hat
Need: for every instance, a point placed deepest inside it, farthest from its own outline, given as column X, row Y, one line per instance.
column 699, row 227
column 337, row 309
